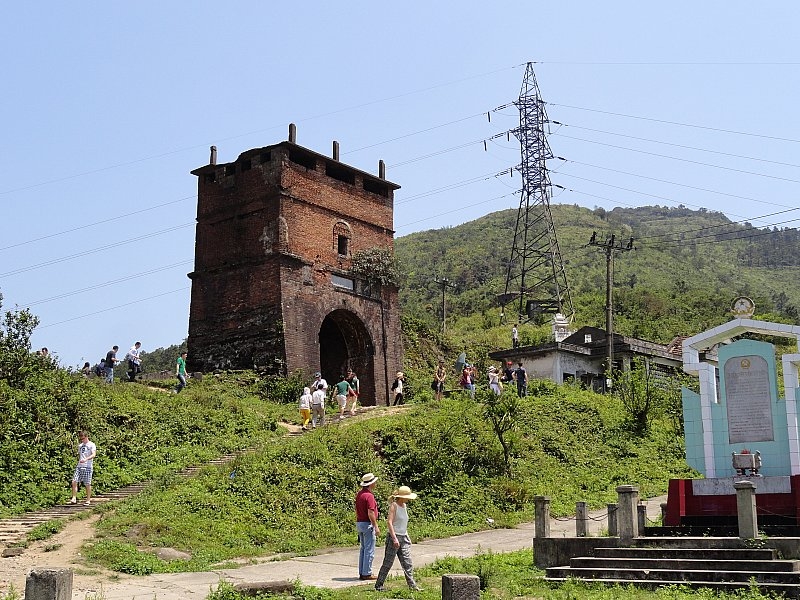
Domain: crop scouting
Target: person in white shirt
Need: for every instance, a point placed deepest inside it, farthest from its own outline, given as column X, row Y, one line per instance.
column 134, row 358
column 317, row 380
column 83, row 471
column 318, row 406
column 305, row 407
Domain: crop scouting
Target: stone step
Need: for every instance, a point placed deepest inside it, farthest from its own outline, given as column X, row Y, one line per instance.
column 660, row 575
column 689, row 542
column 789, row 591
column 686, row 564
column 705, row 553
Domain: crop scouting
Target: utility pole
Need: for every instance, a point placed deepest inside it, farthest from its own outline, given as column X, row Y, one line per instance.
column 610, row 246
column 445, row 283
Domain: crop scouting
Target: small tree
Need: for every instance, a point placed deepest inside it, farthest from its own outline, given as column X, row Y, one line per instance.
column 503, row 413
column 645, row 393
column 376, row 265
column 16, row 360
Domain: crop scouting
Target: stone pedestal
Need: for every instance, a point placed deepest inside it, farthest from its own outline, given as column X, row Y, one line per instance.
column 581, row 519
column 461, row 587
column 613, row 529
column 49, row 584
column 627, row 513
column 541, row 510
column 746, row 509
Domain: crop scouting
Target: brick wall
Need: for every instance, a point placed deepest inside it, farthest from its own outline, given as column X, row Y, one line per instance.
column 265, row 252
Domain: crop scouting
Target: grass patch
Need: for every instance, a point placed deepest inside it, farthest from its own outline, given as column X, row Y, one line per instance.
column 295, row 495
column 506, row 576
column 45, row 530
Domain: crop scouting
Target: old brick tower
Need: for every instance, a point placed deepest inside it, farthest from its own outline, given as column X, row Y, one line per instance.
column 272, row 286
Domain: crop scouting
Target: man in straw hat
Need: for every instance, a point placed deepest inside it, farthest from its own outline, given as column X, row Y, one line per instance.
column 397, row 541
column 397, row 388
column 366, row 525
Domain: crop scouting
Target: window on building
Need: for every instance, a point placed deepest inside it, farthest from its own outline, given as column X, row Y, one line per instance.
column 341, row 245
column 341, row 238
column 342, row 282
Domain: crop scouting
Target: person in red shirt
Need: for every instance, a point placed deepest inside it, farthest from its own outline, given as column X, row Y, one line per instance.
column 366, row 525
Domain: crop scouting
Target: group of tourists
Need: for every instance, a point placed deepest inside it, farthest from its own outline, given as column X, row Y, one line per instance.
column 495, row 377
column 312, row 402
column 105, row 368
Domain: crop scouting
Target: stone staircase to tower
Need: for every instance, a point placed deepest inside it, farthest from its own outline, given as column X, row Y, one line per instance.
column 719, row 563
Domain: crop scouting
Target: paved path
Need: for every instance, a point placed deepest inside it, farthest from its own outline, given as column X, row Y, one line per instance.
column 339, row 568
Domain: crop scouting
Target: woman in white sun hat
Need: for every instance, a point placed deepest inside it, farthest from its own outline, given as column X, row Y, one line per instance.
column 397, row 541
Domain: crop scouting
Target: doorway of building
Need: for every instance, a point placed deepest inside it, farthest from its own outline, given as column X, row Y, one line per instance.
column 344, row 343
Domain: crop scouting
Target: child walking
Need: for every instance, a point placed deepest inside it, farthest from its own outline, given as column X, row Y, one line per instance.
column 305, row 407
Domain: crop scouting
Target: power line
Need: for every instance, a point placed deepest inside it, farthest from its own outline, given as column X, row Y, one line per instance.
column 687, row 160
column 666, row 122
column 104, row 310
column 692, row 187
column 684, row 146
column 88, row 225
column 106, row 284
column 262, row 130
column 94, row 250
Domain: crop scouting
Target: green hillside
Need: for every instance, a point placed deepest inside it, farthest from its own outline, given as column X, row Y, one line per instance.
column 687, row 267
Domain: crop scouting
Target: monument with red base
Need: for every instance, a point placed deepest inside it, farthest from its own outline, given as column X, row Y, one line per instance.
column 739, row 427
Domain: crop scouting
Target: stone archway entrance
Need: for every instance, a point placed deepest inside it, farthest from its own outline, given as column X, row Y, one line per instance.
column 344, row 342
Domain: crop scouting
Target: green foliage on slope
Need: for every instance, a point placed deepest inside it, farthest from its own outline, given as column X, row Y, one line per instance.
column 687, row 268
column 296, row 494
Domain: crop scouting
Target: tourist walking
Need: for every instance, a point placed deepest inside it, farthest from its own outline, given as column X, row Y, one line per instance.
column 318, row 406
column 366, row 525
column 111, row 361
column 180, row 371
column 397, row 541
column 352, row 395
column 521, row 377
column 438, row 380
column 494, row 381
column 515, row 336
column 397, row 388
column 134, row 359
column 83, row 471
column 317, row 380
column 342, row 389
column 305, row 407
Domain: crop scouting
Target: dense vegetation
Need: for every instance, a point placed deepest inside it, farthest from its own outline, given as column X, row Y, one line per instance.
column 295, row 495
column 142, row 433
column 687, row 267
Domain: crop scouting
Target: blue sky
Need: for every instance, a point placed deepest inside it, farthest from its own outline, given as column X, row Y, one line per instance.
column 108, row 106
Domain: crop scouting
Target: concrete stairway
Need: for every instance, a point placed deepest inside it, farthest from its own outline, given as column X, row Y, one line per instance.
column 694, row 562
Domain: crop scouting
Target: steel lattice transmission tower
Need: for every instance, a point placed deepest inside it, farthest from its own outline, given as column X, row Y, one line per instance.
column 535, row 280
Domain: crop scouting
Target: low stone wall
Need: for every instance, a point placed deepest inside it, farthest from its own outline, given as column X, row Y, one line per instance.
column 557, row 552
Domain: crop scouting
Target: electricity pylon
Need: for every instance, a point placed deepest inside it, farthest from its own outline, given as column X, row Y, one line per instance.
column 535, row 279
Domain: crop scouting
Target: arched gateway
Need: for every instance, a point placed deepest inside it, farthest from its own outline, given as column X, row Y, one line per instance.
column 344, row 343
column 273, row 286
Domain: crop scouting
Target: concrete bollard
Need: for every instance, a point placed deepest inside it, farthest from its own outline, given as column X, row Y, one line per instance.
column 49, row 584
column 746, row 509
column 541, row 516
column 613, row 530
column 641, row 514
column 627, row 517
column 663, row 512
column 461, row 587
column 581, row 519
